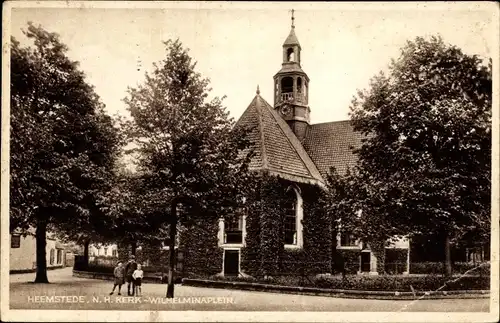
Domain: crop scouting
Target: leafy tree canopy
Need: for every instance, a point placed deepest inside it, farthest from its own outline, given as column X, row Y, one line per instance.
column 425, row 164
column 187, row 145
column 62, row 144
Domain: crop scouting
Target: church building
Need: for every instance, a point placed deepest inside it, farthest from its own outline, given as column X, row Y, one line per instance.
column 298, row 155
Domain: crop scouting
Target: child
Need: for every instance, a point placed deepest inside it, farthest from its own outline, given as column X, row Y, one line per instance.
column 138, row 275
column 119, row 275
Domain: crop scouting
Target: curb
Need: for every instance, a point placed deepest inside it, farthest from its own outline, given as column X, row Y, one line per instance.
column 341, row 293
column 110, row 276
column 27, row 271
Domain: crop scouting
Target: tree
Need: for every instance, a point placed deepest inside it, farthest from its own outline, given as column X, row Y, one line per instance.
column 63, row 145
column 97, row 225
column 425, row 164
column 136, row 216
column 189, row 153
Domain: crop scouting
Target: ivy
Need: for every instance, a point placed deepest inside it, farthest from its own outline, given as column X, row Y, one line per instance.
column 265, row 254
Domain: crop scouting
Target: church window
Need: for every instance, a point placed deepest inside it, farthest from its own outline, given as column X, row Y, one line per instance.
column 290, row 55
column 233, row 229
column 290, row 220
column 347, row 239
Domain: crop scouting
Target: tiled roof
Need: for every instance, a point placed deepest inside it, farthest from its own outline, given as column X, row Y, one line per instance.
column 277, row 149
column 330, row 145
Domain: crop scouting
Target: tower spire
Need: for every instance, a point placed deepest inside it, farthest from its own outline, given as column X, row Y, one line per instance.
column 291, row 85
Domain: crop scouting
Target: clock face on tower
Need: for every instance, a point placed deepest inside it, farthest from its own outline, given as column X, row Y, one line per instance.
column 286, row 110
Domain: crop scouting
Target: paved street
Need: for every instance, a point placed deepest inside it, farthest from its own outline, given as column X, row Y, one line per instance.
column 91, row 294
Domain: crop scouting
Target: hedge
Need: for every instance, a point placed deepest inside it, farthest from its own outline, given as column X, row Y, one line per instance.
column 458, row 267
column 374, row 283
column 100, row 268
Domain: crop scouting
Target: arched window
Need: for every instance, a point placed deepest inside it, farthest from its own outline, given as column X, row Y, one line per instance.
column 290, row 55
column 290, row 218
column 299, row 84
column 233, row 229
column 287, row 85
column 52, row 256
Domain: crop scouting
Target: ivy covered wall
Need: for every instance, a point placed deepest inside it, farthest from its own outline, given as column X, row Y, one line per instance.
column 265, row 253
column 201, row 253
column 351, row 260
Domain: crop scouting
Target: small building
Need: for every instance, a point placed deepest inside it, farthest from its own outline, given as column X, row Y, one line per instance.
column 23, row 253
column 106, row 250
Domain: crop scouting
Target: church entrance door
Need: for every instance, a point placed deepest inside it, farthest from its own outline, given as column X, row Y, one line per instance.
column 231, row 262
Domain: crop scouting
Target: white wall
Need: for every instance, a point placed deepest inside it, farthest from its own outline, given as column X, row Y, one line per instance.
column 24, row 257
column 102, row 250
column 403, row 243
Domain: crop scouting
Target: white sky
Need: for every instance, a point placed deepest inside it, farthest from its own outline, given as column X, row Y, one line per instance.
column 238, row 45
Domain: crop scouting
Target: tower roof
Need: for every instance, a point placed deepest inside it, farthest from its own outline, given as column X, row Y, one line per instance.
column 276, row 148
column 292, row 38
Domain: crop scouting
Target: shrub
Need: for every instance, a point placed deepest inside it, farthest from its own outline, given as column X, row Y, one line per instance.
column 97, row 268
column 374, row 283
column 471, row 268
column 426, row 268
column 458, row 268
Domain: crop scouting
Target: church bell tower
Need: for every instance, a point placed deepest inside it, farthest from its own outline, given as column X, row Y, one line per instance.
column 291, row 87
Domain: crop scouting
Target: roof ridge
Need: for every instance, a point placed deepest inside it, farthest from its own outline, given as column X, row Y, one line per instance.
column 309, row 164
column 336, row 121
column 265, row 163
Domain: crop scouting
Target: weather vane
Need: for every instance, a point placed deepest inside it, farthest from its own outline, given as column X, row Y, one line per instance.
column 293, row 19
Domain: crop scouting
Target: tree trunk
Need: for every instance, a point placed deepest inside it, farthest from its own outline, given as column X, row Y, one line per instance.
column 41, row 260
column 133, row 247
column 447, row 252
column 86, row 253
column 171, row 247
